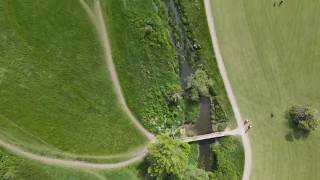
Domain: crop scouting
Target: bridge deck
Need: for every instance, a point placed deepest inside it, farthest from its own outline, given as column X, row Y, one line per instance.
column 211, row 136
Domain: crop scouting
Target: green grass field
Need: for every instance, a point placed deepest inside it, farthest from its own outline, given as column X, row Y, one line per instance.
column 272, row 58
column 13, row 167
column 55, row 91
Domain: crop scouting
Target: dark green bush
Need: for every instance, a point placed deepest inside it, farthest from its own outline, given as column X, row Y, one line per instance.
column 304, row 118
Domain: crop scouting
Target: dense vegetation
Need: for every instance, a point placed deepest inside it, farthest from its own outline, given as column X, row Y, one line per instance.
column 191, row 38
column 199, row 85
column 195, row 21
column 56, row 95
column 145, row 61
column 148, row 65
column 171, row 159
column 168, row 158
column 304, row 118
column 229, row 159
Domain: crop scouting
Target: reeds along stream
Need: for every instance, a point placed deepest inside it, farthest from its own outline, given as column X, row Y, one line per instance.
column 188, row 58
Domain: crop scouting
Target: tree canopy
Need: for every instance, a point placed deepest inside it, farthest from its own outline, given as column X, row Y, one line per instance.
column 168, row 158
column 304, row 117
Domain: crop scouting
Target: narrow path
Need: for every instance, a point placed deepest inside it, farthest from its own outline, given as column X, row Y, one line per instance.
column 244, row 137
column 71, row 163
column 97, row 19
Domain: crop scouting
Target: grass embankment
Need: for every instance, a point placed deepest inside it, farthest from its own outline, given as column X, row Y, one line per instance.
column 272, row 57
column 55, row 92
column 228, row 159
column 145, row 60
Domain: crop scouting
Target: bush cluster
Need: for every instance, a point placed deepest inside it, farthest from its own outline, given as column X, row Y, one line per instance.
column 168, row 158
column 200, row 84
column 228, row 160
column 304, row 118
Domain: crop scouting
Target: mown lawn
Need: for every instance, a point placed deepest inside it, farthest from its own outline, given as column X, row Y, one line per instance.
column 13, row 167
column 272, row 58
column 55, row 91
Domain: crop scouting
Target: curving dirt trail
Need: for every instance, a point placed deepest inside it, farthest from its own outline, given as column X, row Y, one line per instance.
column 71, row 163
column 97, row 19
column 244, row 137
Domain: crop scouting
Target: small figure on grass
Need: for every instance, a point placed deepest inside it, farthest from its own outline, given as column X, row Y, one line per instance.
column 280, row 3
column 272, row 115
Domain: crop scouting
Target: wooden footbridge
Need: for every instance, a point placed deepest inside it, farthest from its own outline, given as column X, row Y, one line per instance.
column 234, row 132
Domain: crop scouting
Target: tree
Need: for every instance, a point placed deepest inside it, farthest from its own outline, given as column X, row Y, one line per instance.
column 168, row 158
column 200, row 84
column 304, row 117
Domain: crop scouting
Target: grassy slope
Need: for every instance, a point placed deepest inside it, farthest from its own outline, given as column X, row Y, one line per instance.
column 28, row 170
column 54, row 85
column 271, row 54
column 198, row 24
column 145, row 59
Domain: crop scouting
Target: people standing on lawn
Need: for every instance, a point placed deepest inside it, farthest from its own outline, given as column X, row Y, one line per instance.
column 249, row 125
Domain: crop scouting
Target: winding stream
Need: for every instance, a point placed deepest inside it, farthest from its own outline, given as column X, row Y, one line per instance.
column 186, row 54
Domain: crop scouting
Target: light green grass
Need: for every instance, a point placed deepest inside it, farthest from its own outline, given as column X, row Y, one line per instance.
column 54, row 85
column 272, row 58
column 22, row 169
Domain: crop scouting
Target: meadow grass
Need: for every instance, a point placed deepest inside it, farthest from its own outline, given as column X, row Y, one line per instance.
column 54, row 85
column 272, row 57
column 145, row 60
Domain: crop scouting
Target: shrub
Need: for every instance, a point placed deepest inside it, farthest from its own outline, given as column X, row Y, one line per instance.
column 174, row 94
column 199, row 83
column 229, row 159
column 304, row 117
column 168, row 158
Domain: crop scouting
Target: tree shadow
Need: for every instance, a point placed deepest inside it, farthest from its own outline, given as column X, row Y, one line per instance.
column 294, row 132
